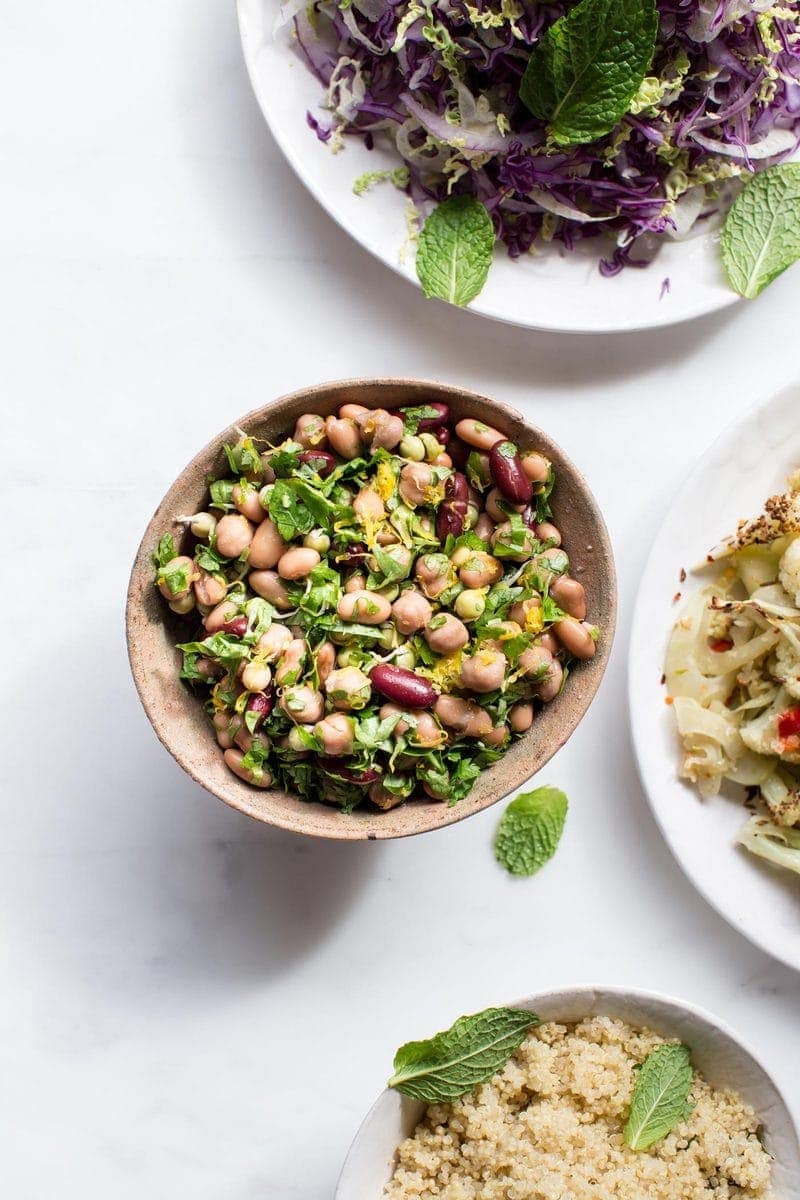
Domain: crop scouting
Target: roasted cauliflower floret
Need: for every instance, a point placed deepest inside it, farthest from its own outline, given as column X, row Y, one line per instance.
column 786, row 667
column 761, row 734
column 789, row 570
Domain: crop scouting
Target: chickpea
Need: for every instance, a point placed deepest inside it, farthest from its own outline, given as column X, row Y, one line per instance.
column 246, row 499
column 267, row 585
column 465, row 717
column 337, row 733
column 497, row 736
column 520, row 717
column 412, row 447
column 351, row 412
column 538, row 662
column 343, row 437
column 259, row 776
column 547, row 532
column 389, row 637
column 482, row 570
column 536, row 467
column 309, row 431
column 295, row 741
column 368, row 506
column 368, row 608
column 219, row 615
column 272, row 644
column 535, row 661
column 348, row 688
column 303, row 705
column 267, row 546
column 210, row 589
column 445, row 634
column 184, row 605
column 498, row 507
column 203, row 525
column 476, row 434
column 568, row 594
column 326, row 660
column 392, row 710
column 380, row 429
column 424, row 729
column 317, row 540
column 434, row 574
column 576, row 637
column 411, row 612
column 355, row 582
column 416, row 479
column 175, row 579
column 234, row 535
column 381, row 798
column 470, row 604
column 504, row 536
column 484, row 671
column 256, row 676
column 291, row 664
column 460, row 556
column 298, row 562
column 484, row 527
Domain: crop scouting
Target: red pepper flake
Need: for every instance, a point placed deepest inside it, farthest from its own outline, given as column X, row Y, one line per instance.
column 683, row 575
column 789, row 723
column 721, row 645
column 663, row 680
column 676, row 598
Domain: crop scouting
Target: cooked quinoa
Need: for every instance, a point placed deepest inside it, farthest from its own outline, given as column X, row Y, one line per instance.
column 549, row 1127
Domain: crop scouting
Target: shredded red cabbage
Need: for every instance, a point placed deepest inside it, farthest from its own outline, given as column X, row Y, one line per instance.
column 440, row 79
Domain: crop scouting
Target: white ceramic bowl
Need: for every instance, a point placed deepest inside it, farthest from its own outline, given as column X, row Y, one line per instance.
column 749, row 462
column 551, row 290
column 716, row 1051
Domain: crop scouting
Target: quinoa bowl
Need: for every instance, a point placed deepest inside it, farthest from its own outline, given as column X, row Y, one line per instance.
column 155, row 630
column 525, row 1126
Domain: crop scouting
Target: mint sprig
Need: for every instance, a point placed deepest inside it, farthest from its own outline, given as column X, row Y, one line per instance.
column 530, row 830
column 455, row 250
column 659, row 1098
column 588, row 66
column 761, row 237
column 451, row 1063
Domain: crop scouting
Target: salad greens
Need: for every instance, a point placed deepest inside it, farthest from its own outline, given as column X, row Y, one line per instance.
column 451, row 1063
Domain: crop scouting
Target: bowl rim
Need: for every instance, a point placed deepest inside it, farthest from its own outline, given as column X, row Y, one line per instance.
column 446, row 815
column 643, row 996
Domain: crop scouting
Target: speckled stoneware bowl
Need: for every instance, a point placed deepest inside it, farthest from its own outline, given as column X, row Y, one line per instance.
column 724, row 1060
column 178, row 717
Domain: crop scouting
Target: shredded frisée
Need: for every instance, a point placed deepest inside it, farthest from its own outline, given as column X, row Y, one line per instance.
column 733, row 676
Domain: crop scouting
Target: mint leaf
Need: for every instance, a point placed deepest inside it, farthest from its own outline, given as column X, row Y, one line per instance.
column 588, row 66
column 659, row 1097
column 451, row 1063
column 761, row 237
column 530, row 830
column 455, row 250
column 165, row 550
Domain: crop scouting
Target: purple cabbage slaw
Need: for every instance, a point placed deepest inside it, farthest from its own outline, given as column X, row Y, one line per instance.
column 440, row 80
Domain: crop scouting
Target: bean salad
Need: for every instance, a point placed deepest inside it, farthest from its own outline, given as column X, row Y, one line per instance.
column 381, row 603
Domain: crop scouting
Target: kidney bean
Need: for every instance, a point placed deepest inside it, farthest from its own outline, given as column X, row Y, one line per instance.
column 403, row 686
column 319, row 460
column 442, row 435
column 458, row 452
column 237, row 626
column 451, row 516
column 354, row 555
column 261, row 703
column 433, row 423
column 507, row 472
column 529, row 516
column 362, row 778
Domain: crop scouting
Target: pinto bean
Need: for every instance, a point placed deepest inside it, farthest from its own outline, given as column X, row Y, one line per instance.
column 234, row 535
column 480, row 570
column 569, row 594
column 326, row 660
column 337, row 733
column 303, row 705
column 465, row 717
column 267, row 546
column 298, row 562
column 415, row 481
column 476, row 434
column 576, row 637
column 210, row 589
column 272, row 644
column 382, row 799
column 351, row 412
column 259, row 776
column 445, row 634
column 245, row 497
column 309, row 431
column 291, row 664
column 175, row 579
column 547, row 532
column 535, row 466
column 527, row 613
column 368, row 608
column 520, row 717
column 219, row 615
column 269, row 586
column 498, row 507
column 514, row 548
column 484, row 527
column 343, row 436
column 402, row 686
column 497, row 736
column 484, row 671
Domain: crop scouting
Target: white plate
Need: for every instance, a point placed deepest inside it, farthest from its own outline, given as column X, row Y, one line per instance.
column 550, row 291
column 748, row 463
column 716, row 1051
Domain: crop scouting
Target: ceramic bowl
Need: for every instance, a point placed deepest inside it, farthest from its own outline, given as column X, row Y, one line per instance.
column 182, row 726
column 717, row 1052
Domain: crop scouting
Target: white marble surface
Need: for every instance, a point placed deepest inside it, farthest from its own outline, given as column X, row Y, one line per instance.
column 192, row 1005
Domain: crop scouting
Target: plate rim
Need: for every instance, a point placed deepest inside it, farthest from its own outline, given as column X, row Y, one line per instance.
column 722, row 303
column 751, row 413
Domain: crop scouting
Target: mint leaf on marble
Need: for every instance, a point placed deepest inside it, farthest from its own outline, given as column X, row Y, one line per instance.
column 455, row 250
column 761, row 237
column 530, row 830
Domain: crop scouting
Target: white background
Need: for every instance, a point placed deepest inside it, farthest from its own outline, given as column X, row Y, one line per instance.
column 193, row 1005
